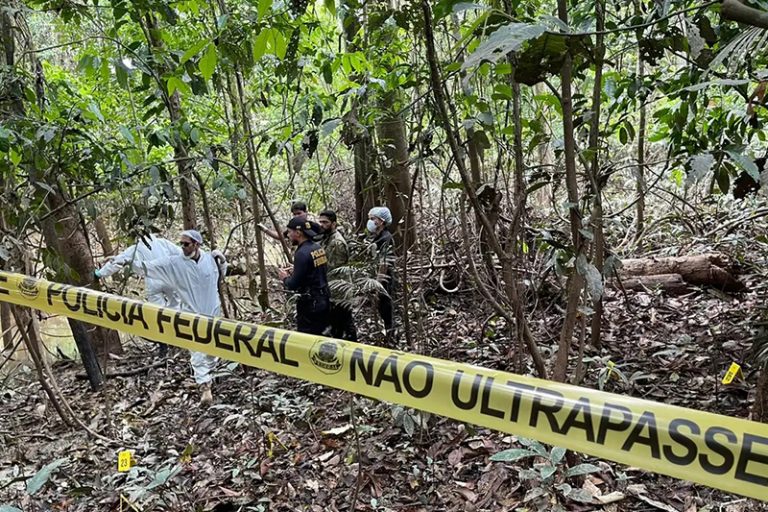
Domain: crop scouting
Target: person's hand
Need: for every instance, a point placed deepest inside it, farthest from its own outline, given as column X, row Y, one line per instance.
column 283, row 273
column 96, row 274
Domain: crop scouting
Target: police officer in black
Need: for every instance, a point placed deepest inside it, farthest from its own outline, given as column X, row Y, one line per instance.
column 308, row 278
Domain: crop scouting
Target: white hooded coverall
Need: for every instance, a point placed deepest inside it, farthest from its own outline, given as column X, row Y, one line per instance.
column 147, row 249
column 196, row 283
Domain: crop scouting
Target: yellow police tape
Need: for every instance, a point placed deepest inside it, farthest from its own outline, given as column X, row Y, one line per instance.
column 721, row 452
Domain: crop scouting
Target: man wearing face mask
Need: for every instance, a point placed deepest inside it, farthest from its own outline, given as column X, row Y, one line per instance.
column 194, row 276
column 337, row 252
column 309, row 278
column 379, row 218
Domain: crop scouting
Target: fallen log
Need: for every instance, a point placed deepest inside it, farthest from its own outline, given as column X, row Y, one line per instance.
column 672, row 284
column 712, row 269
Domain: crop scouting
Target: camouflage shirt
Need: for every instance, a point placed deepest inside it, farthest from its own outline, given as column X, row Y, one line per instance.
column 335, row 250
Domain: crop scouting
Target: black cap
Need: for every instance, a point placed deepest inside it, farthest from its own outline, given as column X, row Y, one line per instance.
column 307, row 227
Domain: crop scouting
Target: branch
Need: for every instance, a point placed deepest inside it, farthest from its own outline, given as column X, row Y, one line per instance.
column 737, row 10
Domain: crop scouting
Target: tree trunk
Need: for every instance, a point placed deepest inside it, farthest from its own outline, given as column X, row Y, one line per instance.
column 466, row 179
column 394, row 172
column 357, row 135
column 575, row 281
column 594, row 173
column 5, row 324
column 640, row 175
column 760, row 409
column 184, row 164
column 102, row 234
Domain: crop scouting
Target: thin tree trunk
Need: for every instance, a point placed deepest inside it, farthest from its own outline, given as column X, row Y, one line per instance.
column 250, row 153
column 5, row 324
column 176, row 114
column 594, row 174
column 640, row 177
column 453, row 141
column 575, row 281
column 206, row 210
column 760, row 409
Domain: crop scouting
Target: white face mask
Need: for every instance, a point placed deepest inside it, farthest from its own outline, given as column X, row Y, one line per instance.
column 371, row 226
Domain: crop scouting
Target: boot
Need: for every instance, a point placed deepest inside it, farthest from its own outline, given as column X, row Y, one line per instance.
column 206, row 397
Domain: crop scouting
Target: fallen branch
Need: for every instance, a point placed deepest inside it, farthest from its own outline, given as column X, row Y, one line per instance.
column 128, row 373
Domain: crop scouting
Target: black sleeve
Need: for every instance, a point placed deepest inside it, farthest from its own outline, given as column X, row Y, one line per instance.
column 301, row 265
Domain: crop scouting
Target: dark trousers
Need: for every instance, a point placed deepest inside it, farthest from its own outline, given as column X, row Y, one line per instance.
column 385, row 310
column 312, row 314
column 342, row 323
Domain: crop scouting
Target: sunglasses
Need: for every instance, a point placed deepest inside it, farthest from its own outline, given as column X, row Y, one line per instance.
column 186, row 244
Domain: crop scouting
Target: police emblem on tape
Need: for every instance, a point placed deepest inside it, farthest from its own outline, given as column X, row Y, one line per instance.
column 28, row 288
column 327, row 356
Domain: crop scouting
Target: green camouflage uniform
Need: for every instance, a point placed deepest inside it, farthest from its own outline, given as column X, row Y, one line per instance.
column 336, row 250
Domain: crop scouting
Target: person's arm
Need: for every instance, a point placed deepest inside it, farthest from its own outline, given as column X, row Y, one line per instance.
column 271, row 232
column 116, row 263
column 221, row 261
column 383, row 256
column 300, row 269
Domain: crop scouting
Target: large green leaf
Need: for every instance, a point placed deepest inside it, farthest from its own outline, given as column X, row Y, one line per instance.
column 512, row 455
column 193, row 50
column 208, row 62
column 41, row 477
column 503, row 41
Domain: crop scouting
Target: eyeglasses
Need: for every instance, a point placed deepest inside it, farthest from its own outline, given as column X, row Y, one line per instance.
column 185, row 244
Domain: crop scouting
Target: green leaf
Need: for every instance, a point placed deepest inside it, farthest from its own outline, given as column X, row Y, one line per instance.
column 557, row 454
column 330, row 5
column 177, row 84
column 582, row 469
column 547, row 471
column 127, row 134
column 41, row 477
column 264, row 7
column 745, row 163
column 722, row 82
column 194, row 50
column 503, row 41
column 260, row 44
column 121, row 74
column 512, row 455
column 208, row 61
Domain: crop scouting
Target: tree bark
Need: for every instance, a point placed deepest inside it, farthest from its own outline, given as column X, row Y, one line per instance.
column 672, row 284
column 737, row 10
column 575, row 281
column 760, row 408
column 184, row 164
column 594, row 173
column 5, row 324
column 102, row 234
column 711, row 269
column 390, row 129
column 466, row 179
column 640, row 176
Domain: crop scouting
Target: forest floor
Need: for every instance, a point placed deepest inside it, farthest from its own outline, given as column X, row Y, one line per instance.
column 271, row 443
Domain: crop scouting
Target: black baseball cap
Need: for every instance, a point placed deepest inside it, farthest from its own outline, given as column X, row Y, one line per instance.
column 309, row 228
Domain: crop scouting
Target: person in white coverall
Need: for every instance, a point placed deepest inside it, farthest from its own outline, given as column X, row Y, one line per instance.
column 147, row 249
column 194, row 276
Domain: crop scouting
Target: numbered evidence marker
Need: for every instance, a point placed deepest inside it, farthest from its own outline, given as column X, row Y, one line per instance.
column 124, row 461
column 733, row 371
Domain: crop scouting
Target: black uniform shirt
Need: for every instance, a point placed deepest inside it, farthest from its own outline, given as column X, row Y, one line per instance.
column 309, row 270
